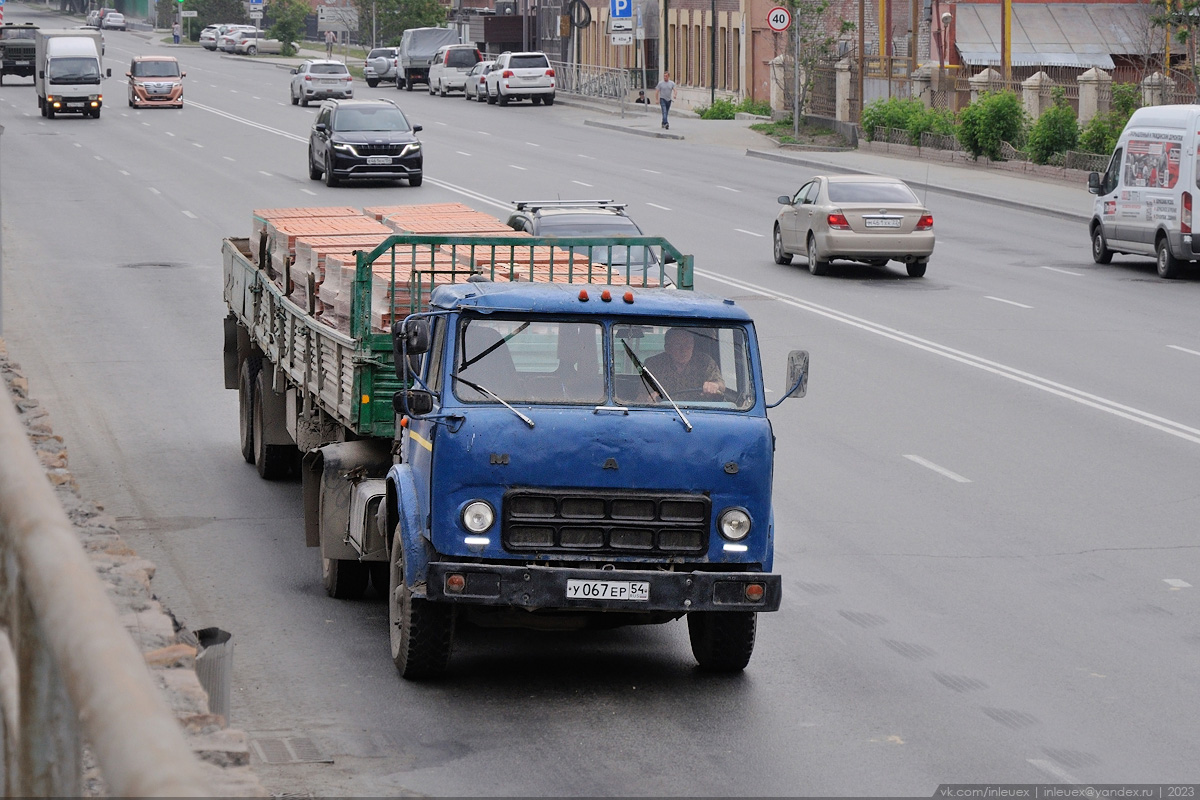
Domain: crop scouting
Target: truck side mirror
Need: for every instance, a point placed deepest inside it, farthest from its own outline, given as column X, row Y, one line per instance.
column 797, row 373
column 412, row 402
column 42, row 74
column 409, row 336
column 1094, row 182
column 109, row 74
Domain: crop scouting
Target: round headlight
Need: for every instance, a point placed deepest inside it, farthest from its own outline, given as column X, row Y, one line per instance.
column 734, row 524
column 478, row 516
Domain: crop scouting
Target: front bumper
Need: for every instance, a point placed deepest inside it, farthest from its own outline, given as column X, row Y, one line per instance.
column 62, row 104
column 143, row 98
column 546, row 588
column 350, row 168
column 848, row 244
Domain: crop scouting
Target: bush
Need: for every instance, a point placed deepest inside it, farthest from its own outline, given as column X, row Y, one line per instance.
column 890, row 113
column 760, row 108
column 994, row 118
column 1101, row 132
column 1056, row 130
column 720, row 109
column 930, row 120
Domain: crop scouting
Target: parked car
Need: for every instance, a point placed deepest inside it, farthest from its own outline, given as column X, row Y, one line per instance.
column 867, row 218
column 319, row 79
column 585, row 218
column 226, row 34
column 208, row 37
column 155, row 81
column 364, row 139
column 251, row 43
column 475, row 87
column 520, row 75
column 113, row 21
column 381, row 65
column 93, row 18
column 449, row 68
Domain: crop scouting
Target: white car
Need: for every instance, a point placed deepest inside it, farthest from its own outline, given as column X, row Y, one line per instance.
column 520, row 75
column 380, row 65
column 113, row 21
column 251, row 43
column 321, row 79
column 208, row 37
column 227, row 34
column 449, row 68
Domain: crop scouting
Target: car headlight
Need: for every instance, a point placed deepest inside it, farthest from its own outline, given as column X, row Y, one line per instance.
column 734, row 524
column 410, row 148
column 345, row 148
column 478, row 516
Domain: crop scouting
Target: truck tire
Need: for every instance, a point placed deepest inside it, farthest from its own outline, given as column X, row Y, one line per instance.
column 344, row 579
column 274, row 461
column 1168, row 265
column 247, row 377
column 722, row 641
column 421, row 632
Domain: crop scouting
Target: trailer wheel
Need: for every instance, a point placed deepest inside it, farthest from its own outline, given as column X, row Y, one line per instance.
column 344, row 579
column 274, row 461
column 422, row 632
column 246, row 379
column 722, row 641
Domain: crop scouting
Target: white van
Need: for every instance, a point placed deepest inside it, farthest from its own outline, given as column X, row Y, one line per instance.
column 449, row 68
column 1145, row 197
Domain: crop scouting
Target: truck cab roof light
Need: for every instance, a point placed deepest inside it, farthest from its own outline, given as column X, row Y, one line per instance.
column 628, row 298
column 583, row 295
column 606, row 295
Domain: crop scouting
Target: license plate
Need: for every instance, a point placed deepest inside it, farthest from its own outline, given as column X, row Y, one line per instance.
column 878, row 222
column 22, row 63
column 638, row 591
column 330, row 83
column 379, row 159
column 74, row 105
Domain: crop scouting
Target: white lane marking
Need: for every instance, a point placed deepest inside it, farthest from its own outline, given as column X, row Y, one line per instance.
column 1054, row 771
column 1161, row 424
column 213, row 85
column 589, row 158
column 251, row 123
column 729, row 189
column 309, row 191
column 98, row 158
column 954, row 476
column 77, row 144
column 514, row 166
column 656, row 205
column 256, row 98
column 1176, row 583
column 461, row 153
column 123, row 172
column 147, row 124
column 581, row 183
column 483, row 133
column 269, row 175
column 234, row 91
column 168, row 133
column 1010, row 302
column 156, row 191
column 197, row 144
column 651, row 171
column 533, row 144
column 227, row 158
column 751, row 233
column 1184, row 349
column 1064, row 271
column 123, row 114
column 190, row 215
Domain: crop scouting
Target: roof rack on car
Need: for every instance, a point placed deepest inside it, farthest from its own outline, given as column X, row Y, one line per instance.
column 534, row 205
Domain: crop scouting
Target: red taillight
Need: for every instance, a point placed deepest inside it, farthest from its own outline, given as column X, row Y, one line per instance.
column 308, row 77
column 838, row 222
column 925, row 222
column 755, row 592
column 349, row 78
column 508, row 73
column 1185, row 218
column 550, row 73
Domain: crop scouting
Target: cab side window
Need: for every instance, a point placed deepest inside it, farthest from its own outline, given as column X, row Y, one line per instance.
column 1109, row 183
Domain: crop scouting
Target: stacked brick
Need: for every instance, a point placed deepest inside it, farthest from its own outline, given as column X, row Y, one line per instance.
column 313, row 251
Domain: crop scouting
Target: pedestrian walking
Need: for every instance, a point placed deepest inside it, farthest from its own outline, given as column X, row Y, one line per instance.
column 175, row 32
column 330, row 37
column 665, row 92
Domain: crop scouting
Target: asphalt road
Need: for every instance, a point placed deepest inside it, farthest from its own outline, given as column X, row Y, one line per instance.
column 985, row 508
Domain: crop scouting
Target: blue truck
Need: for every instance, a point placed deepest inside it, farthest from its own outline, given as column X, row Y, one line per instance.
column 530, row 438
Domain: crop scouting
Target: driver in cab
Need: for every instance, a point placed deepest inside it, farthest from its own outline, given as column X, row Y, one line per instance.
column 681, row 369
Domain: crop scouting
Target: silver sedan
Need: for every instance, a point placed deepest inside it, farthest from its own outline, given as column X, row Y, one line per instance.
column 865, row 218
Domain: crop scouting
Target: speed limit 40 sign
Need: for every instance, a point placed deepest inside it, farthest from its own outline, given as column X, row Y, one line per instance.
column 779, row 18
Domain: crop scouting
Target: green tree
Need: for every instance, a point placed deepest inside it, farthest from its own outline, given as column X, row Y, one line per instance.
column 994, row 118
column 289, row 16
column 1056, row 130
column 1181, row 18
column 1101, row 132
column 394, row 17
column 810, row 40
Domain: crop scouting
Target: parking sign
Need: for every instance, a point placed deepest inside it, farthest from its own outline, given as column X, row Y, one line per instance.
column 620, row 8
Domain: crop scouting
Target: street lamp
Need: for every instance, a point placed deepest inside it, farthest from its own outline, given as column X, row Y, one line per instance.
column 946, row 17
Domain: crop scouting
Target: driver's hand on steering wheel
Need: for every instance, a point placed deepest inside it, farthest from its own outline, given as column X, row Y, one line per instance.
column 713, row 387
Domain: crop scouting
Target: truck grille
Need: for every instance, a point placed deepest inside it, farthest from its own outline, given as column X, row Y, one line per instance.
column 627, row 522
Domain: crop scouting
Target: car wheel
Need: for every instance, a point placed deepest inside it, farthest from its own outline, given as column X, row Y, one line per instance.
column 548, row 99
column 131, row 101
column 815, row 265
column 1168, row 265
column 501, row 98
column 491, row 99
column 781, row 255
column 251, row 50
column 314, row 171
column 304, row 100
column 330, row 178
column 372, row 82
column 916, row 269
column 295, row 100
column 1100, row 252
column 416, row 180
column 537, row 101
column 95, row 114
column 431, row 89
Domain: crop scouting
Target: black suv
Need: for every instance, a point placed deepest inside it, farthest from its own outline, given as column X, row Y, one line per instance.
column 367, row 139
column 584, row 218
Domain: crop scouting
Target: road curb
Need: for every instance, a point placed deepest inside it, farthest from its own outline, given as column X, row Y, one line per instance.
column 635, row 131
column 1070, row 216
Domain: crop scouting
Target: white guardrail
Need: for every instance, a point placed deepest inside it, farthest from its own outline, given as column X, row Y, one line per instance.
column 68, row 669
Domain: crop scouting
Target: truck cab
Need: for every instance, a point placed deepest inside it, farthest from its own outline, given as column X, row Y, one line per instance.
column 69, row 72
column 580, row 457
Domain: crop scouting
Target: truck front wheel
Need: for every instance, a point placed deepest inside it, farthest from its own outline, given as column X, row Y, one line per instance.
column 421, row 632
column 722, row 641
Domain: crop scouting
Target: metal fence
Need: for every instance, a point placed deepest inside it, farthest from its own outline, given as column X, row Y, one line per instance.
column 587, row 80
column 68, row 670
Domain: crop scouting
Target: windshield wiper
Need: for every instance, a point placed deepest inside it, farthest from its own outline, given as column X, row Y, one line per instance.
column 644, row 373
column 495, row 397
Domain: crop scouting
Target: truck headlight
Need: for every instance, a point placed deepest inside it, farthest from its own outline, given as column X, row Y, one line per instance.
column 478, row 516
column 734, row 524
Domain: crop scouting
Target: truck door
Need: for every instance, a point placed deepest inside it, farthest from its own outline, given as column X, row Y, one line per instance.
column 421, row 434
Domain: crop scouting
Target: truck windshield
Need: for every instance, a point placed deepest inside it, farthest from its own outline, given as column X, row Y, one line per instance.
column 525, row 361
column 74, row 70
column 697, row 366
